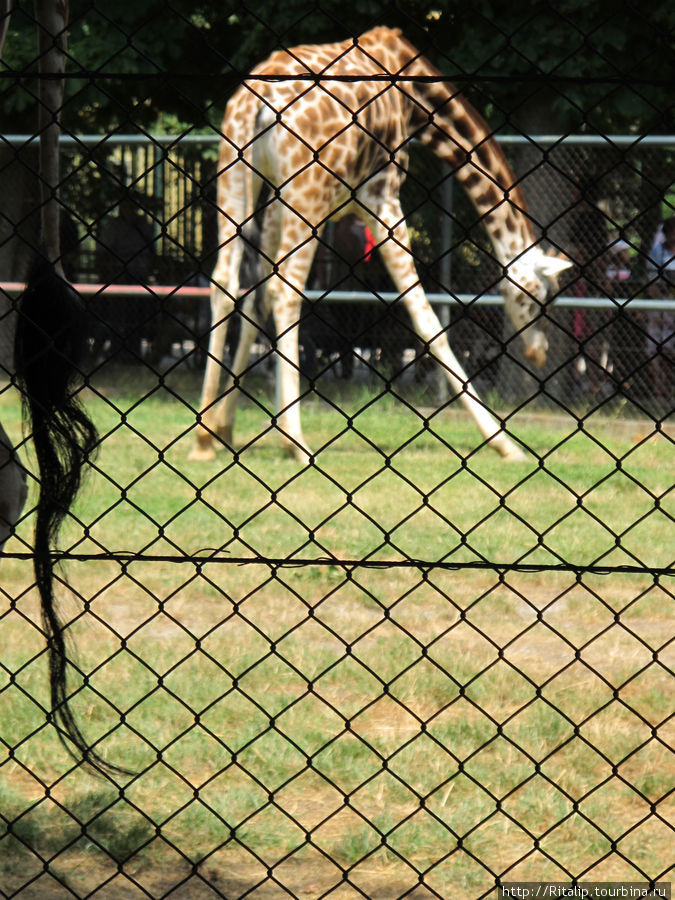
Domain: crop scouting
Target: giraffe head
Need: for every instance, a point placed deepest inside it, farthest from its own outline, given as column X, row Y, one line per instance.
column 529, row 281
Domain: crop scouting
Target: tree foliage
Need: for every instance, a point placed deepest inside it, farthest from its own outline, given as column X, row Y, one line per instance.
column 605, row 66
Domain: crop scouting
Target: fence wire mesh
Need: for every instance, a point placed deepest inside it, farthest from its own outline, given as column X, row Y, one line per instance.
column 401, row 666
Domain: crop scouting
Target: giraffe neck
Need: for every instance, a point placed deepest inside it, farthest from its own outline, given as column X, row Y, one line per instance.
column 460, row 136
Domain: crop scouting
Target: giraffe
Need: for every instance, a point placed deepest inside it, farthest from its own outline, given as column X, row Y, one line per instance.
column 326, row 127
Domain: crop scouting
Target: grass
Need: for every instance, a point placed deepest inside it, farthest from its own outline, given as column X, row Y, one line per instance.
column 289, row 724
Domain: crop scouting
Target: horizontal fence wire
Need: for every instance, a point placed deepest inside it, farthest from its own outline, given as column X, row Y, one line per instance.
column 292, row 562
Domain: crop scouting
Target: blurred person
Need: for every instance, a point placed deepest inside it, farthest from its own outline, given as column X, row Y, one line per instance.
column 126, row 245
column 126, row 255
column 628, row 326
column 346, row 260
column 589, row 240
column 661, row 323
column 618, row 269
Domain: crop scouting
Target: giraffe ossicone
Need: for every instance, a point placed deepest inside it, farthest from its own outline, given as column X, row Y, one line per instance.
column 338, row 144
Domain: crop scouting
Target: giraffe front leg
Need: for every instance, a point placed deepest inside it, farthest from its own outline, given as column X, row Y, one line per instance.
column 395, row 251
column 429, row 328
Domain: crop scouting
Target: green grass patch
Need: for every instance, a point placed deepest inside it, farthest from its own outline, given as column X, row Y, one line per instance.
column 393, row 722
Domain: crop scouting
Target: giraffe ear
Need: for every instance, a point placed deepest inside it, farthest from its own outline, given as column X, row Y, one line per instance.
column 551, row 266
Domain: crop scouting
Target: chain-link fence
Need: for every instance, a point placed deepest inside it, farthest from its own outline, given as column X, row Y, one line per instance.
column 398, row 665
column 601, row 339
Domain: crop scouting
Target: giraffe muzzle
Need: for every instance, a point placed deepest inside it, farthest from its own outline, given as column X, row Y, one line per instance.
column 536, row 354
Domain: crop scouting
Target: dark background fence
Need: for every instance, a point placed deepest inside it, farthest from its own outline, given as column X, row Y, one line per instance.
column 602, row 194
column 408, row 670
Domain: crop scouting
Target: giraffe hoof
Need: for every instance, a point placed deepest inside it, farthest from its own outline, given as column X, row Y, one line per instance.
column 299, row 452
column 202, row 453
column 515, row 454
column 505, row 447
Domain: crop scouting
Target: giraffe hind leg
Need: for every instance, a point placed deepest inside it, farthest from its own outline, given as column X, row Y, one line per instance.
column 255, row 271
column 226, row 410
